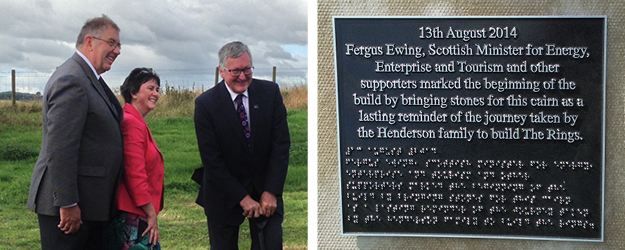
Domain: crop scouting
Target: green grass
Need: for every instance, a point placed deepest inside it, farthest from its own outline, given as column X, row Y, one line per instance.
column 19, row 228
column 24, row 116
column 182, row 222
column 297, row 177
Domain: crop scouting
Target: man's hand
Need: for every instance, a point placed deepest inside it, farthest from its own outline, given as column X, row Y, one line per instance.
column 251, row 208
column 70, row 219
column 268, row 203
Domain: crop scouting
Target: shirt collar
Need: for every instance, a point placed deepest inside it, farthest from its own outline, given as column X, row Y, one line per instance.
column 234, row 95
column 88, row 63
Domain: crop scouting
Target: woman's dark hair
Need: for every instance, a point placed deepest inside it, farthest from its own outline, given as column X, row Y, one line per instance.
column 133, row 82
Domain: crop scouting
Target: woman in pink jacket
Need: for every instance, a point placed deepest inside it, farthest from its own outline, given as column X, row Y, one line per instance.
column 140, row 192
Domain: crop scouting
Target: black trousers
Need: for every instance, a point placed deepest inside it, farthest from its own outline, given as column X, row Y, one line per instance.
column 89, row 236
column 226, row 237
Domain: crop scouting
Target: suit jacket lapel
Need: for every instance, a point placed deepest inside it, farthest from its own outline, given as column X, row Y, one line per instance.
column 113, row 104
column 255, row 118
column 96, row 84
column 130, row 110
column 230, row 114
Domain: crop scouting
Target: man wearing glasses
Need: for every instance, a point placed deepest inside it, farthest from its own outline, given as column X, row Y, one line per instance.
column 75, row 178
column 243, row 139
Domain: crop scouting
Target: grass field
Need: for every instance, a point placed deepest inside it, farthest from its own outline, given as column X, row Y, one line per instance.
column 182, row 223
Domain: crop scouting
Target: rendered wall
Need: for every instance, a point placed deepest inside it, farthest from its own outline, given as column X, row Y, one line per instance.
column 329, row 221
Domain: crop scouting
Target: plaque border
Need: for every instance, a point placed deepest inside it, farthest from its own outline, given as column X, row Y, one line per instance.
column 480, row 236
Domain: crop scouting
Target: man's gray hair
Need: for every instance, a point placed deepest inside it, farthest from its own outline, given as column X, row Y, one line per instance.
column 94, row 27
column 232, row 50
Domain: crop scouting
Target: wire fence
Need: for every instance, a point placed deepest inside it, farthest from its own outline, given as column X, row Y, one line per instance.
column 30, row 84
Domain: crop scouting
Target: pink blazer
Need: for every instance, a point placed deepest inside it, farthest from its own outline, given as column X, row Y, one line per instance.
column 143, row 175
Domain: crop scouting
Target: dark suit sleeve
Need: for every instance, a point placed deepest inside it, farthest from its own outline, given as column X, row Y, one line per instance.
column 280, row 144
column 215, row 168
column 66, row 118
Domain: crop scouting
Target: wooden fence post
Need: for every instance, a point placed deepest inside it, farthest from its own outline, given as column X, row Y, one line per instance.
column 216, row 75
column 13, row 96
column 274, row 74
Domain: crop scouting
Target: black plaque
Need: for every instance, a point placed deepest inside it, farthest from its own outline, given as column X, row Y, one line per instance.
column 486, row 127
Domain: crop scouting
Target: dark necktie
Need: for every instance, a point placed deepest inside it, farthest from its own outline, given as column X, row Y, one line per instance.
column 243, row 117
column 110, row 95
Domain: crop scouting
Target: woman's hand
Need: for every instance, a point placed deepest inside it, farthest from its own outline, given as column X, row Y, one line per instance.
column 152, row 223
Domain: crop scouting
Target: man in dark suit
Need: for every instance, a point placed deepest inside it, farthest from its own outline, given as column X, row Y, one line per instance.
column 76, row 176
column 243, row 138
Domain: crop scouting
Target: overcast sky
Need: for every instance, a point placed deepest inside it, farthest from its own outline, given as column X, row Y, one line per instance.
column 39, row 35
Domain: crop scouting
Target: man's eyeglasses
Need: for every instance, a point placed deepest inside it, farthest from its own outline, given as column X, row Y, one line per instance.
column 110, row 42
column 237, row 72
